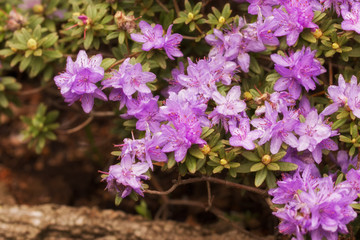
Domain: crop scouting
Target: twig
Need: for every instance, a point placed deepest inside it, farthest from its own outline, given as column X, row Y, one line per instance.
column 176, row 6
column 330, row 73
column 34, row 90
column 164, row 198
column 103, row 114
column 210, row 179
column 189, row 37
column 358, row 160
column 79, row 127
column 122, row 60
column 162, row 6
column 210, row 198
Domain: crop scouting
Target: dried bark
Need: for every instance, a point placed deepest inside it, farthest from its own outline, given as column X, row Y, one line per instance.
column 51, row 221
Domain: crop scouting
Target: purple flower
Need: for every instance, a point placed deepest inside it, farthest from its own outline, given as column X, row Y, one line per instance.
column 171, row 43
column 351, row 20
column 264, row 5
column 345, row 95
column 176, row 142
column 312, row 132
column 313, row 206
column 231, row 104
column 78, row 82
column 241, row 136
column 298, row 15
column 344, row 161
column 146, row 110
column 126, row 176
column 130, row 78
column 151, row 37
column 299, row 68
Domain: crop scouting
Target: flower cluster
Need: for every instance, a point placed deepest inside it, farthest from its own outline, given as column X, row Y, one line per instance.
column 315, row 205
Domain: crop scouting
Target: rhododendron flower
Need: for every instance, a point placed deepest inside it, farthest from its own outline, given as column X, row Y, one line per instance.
column 126, row 176
column 78, row 81
column 151, row 37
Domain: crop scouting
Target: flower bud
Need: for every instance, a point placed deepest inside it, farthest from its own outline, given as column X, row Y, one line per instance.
column 31, row 44
column 317, row 33
column 222, row 20
column 38, row 8
column 223, row 161
column 15, row 21
column 205, row 149
column 335, row 46
column 248, row 96
column 266, row 159
column 190, row 15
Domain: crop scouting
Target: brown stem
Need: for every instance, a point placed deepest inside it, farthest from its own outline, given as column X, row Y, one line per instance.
column 330, row 73
column 102, row 114
column 199, row 29
column 358, row 160
column 210, row 198
column 77, row 128
column 162, row 6
column 210, row 179
column 34, row 90
column 176, row 6
column 189, row 37
column 122, row 60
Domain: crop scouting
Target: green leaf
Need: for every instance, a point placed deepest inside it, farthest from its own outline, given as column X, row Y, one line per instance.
column 52, row 54
column 37, row 32
column 196, row 152
column 49, row 40
column 271, row 180
column 342, row 114
column 192, row 26
column 171, row 160
column 257, row 166
column 118, row 200
column 112, row 35
column 260, row 177
column 287, row 167
column 191, row 164
column 88, row 39
column 278, row 156
column 343, row 138
column 244, row 168
column 218, row 169
column 116, row 153
column 273, row 166
column 188, row 7
column 197, row 8
column 121, row 37
column 251, row 156
column 339, row 178
column 24, row 63
column 307, row 36
column 338, row 123
column 107, row 62
column 6, row 52
column 226, row 12
column 272, row 77
column 50, row 136
column 3, row 101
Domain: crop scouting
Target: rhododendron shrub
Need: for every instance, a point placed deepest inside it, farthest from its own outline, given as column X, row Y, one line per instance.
column 264, row 94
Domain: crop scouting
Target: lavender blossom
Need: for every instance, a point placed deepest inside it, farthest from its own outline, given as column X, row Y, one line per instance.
column 78, row 82
column 130, row 78
column 151, row 37
column 312, row 132
column 241, row 134
column 126, row 177
column 313, row 206
column 351, row 18
column 171, row 43
column 298, row 69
